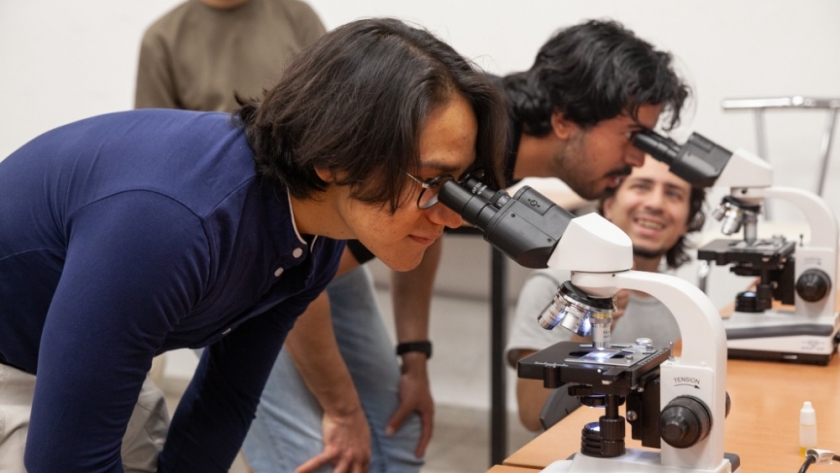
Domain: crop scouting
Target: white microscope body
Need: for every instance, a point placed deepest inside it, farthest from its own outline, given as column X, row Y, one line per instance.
column 599, row 256
column 536, row 233
column 807, row 331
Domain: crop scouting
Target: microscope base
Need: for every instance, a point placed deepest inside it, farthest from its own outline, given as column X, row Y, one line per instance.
column 634, row 461
column 782, row 336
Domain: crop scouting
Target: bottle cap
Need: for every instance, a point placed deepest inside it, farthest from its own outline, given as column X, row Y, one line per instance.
column 807, row 414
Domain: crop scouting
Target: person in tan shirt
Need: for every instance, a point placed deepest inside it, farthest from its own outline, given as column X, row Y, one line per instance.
column 196, row 55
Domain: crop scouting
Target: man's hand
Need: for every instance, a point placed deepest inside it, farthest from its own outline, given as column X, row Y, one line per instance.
column 346, row 445
column 314, row 351
column 415, row 396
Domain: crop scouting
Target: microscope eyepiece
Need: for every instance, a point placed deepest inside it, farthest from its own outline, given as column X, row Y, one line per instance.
column 525, row 227
column 659, row 147
column 473, row 200
column 699, row 161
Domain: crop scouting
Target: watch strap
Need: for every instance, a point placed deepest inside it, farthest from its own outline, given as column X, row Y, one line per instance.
column 423, row 346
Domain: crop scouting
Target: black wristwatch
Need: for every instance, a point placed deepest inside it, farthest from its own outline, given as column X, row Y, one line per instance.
column 423, row 346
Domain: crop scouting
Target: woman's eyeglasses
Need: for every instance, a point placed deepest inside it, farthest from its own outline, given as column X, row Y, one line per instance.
column 431, row 188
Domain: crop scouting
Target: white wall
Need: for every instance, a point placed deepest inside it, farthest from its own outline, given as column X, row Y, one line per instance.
column 62, row 61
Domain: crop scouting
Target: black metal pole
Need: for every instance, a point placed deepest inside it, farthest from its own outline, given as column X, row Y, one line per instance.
column 498, row 335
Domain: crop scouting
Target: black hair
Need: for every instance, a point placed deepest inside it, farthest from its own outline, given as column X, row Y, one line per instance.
column 676, row 255
column 591, row 72
column 355, row 103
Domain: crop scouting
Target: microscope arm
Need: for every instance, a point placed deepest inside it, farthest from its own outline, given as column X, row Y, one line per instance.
column 745, row 170
column 750, row 179
column 816, row 262
column 699, row 372
column 699, row 322
column 820, row 218
column 703, row 163
column 535, row 233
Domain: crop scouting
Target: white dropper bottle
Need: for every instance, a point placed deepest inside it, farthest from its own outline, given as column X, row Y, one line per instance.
column 807, row 428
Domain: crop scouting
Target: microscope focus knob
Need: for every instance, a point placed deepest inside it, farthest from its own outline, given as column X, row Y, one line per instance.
column 813, row 285
column 684, row 422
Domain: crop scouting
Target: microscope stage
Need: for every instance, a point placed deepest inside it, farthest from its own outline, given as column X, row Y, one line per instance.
column 771, row 252
column 570, row 362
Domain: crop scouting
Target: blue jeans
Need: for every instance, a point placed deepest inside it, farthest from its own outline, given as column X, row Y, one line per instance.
column 287, row 429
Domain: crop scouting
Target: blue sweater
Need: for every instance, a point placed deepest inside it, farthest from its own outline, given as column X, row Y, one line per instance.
column 127, row 235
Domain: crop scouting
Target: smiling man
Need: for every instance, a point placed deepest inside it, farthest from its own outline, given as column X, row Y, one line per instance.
column 656, row 209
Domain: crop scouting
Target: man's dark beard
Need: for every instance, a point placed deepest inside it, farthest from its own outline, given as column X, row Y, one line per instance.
column 648, row 254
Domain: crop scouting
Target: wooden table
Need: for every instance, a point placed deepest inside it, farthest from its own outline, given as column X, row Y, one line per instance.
column 509, row 469
column 763, row 423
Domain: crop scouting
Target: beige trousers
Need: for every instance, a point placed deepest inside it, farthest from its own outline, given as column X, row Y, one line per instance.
column 143, row 440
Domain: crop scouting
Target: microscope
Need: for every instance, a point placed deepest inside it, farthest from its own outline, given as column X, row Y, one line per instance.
column 799, row 274
column 679, row 399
